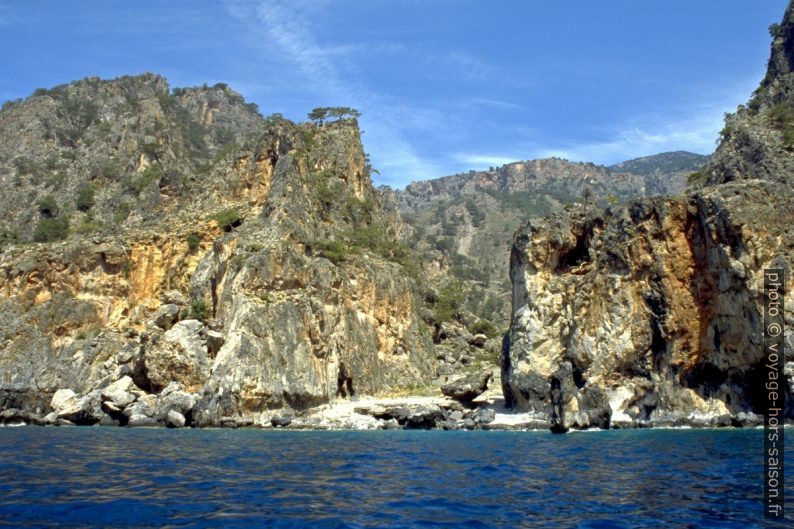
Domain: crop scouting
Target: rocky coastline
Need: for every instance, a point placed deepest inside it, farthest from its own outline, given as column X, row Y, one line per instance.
column 124, row 404
column 172, row 258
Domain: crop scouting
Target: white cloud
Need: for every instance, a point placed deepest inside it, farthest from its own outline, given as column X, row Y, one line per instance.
column 323, row 70
column 478, row 161
column 697, row 133
column 285, row 34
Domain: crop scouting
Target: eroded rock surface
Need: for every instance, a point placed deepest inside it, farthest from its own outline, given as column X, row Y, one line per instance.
column 247, row 260
column 650, row 313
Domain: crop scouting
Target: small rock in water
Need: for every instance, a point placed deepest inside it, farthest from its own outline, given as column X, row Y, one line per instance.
column 174, row 419
column 390, row 424
column 279, row 421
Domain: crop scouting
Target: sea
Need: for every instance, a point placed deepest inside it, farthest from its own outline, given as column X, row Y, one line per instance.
column 117, row 477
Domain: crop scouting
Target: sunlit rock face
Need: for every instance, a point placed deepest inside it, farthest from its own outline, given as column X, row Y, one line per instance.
column 650, row 313
column 202, row 262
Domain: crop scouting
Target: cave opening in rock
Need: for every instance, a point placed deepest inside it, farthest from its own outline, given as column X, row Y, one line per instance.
column 659, row 344
column 571, row 258
column 344, row 383
column 706, row 378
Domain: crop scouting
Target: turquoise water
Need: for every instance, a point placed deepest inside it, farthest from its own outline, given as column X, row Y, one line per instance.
column 115, row 477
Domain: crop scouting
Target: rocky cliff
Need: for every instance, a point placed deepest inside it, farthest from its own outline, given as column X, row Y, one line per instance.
column 171, row 257
column 462, row 225
column 650, row 313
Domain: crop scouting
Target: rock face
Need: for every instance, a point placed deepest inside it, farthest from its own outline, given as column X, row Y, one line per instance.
column 246, row 259
column 462, row 225
column 650, row 313
column 181, row 355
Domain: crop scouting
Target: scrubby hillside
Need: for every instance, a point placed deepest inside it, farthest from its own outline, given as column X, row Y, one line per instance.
column 177, row 243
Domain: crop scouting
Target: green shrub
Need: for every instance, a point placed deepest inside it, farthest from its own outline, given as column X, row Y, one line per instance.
column 358, row 210
column 26, row 166
column 227, row 219
column 484, row 327
column 123, row 211
column 324, row 189
column 85, row 197
column 782, row 118
column 48, row 206
column 111, row 171
column 402, row 255
column 193, row 241
column 449, row 302
column 51, row 229
column 788, row 136
column 199, row 310
column 477, row 215
column 372, row 238
column 8, row 237
column 137, row 184
column 89, row 225
column 274, row 119
column 8, row 105
column 334, row 251
column 696, row 178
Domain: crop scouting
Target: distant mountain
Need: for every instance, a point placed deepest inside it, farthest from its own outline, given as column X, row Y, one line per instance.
column 666, row 162
column 463, row 224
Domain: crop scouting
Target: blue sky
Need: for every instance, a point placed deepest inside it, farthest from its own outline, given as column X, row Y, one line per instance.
column 444, row 85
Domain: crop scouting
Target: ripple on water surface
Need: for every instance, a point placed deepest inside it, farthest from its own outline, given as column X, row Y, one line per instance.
column 94, row 477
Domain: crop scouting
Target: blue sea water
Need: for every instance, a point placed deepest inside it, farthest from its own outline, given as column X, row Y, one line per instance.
column 115, row 477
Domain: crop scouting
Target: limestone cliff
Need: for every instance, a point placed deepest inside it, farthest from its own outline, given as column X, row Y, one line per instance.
column 650, row 313
column 462, row 225
column 252, row 268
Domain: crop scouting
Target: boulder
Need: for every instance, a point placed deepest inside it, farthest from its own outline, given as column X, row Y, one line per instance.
column 62, row 399
column 280, row 421
column 142, row 412
column 84, row 410
column 174, row 398
column 117, row 396
column 409, row 416
column 468, row 388
column 180, row 355
column 13, row 416
column 174, row 419
column 391, row 424
column 89, row 410
column 478, row 340
column 215, row 341
column 174, row 297
column 449, row 424
column 748, row 419
column 166, row 316
column 484, row 416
